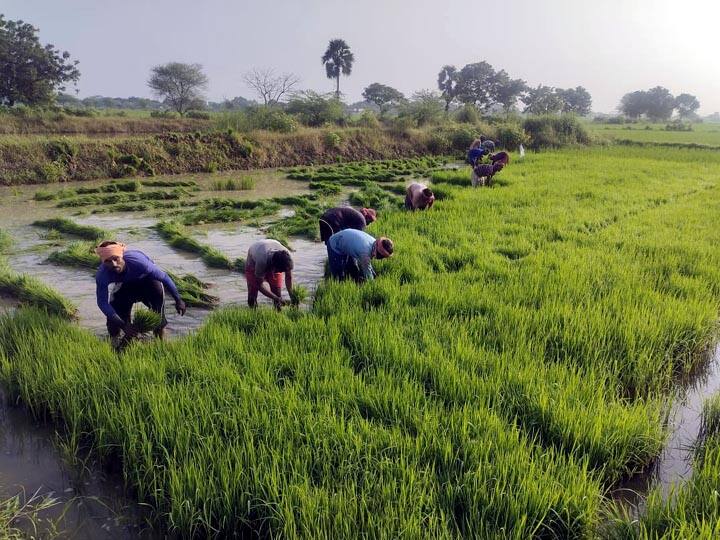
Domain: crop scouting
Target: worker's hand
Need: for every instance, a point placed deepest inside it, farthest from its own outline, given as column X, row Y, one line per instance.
column 180, row 306
column 279, row 303
column 130, row 331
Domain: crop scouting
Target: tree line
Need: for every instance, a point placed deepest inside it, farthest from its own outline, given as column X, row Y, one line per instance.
column 33, row 74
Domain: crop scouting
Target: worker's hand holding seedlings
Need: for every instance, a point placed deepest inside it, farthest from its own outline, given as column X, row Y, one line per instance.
column 267, row 261
column 134, row 278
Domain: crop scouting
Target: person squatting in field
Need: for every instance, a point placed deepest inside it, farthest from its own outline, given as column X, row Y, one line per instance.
column 267, row 261
column 483, row 173
column 344, row 217
column 418, row 197
column 128, row 276
column 349, row 253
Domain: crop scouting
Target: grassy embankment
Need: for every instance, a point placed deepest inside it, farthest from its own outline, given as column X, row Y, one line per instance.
column 61, row 159
column 507, row 366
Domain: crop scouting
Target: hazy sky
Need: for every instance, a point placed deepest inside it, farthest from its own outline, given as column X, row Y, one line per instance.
column 610, row 47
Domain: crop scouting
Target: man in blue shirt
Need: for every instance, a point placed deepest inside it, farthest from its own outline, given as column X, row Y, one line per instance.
column 134, row 278
column 350, row 251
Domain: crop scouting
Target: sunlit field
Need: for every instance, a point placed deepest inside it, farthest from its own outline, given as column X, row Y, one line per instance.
column 509, row 366
column 701, row 134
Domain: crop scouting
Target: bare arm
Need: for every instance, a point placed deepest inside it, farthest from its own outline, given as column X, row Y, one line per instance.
column 289, row 281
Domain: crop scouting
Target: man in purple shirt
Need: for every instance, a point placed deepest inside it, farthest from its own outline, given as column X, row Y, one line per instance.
column 134, row 278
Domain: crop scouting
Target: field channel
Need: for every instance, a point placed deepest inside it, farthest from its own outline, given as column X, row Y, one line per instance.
column 522, row 362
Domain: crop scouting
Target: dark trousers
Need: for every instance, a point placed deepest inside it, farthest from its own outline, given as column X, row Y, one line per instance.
column 148, row 291
column 342, row 266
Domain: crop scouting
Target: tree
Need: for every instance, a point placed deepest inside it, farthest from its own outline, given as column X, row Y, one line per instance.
column 383, row 96
column 315, row 109
column 269, row 86
column 476, row 85
column 30, row 73
column 660, row 103
column 542, row 100
column 338, row 59
column 424, row 108
column 687, row 105
column 447, row 84
column 506, row 91
column 634, row 104
column 576, row 100
column 180, row 84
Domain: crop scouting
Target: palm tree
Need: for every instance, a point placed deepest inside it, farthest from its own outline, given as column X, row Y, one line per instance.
column 337, row 59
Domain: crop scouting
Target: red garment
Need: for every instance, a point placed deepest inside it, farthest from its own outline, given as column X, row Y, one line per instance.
column 274, row 279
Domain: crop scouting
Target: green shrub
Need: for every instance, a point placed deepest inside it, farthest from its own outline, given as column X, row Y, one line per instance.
column 332, row 140
column 198, row 115
column 511, row 136
column 314, row 110
column 52, row 172
column 468, row 114
column 555, row 131
column 270, row 119
column 368, row 119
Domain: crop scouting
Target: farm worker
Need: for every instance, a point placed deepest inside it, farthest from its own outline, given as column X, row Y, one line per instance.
column 267, row 261
column 133, row 277
column 350, row 251
column 476, row 152
column 483, row 173
column 344, row 217
column 418, row 197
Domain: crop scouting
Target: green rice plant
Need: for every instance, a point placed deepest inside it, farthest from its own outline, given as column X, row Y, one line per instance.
column 21, row 515
column 373, row 196
column 78, row 254
column 169, row 183
column 298, row 295
column 325, row 188
column 68, row 226
column 5, row 241
column 176, row 235
column 231, row 184
column 30, row 291
column 116, row 198
column 711, row 416
column 508, row 365
column 146, row 321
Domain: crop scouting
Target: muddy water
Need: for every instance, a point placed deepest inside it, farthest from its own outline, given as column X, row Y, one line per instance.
column 92, row 505
column 89, row 504
column 673, row 468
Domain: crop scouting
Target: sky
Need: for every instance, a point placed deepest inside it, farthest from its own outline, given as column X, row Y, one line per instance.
column 610, row 47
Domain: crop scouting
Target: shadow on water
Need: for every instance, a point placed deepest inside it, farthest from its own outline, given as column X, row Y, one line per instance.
column 673, row 467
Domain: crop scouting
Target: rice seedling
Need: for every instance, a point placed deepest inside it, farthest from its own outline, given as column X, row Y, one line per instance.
column 21, row 515
column 30, row 291
column 68, row 226
column 146, row 321
column 169, row 183
column 176, row 235
column 5, row 241
column 232, row 184
column 117, row 198
column 711, row 416
column 298, row 295
column 78, row 254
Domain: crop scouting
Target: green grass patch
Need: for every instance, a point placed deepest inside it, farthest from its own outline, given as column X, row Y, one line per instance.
column 179, row 238
column 234, row 184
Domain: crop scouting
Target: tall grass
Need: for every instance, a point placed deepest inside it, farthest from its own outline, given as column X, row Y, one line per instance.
column 507, row 366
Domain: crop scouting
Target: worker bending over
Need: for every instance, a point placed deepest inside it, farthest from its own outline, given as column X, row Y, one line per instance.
column 350, row 251
column 267, row 261
column 418, row 197
column 128, row 276
column 344, row 217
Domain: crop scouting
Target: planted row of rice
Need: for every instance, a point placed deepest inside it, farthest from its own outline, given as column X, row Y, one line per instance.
column 117, row 198
column 179, row 238
column 68, row 226
column 509, row 364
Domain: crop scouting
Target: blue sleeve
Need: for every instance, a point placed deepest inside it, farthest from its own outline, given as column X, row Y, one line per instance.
column 366, row 267
column 102, row 296
column 155, row 272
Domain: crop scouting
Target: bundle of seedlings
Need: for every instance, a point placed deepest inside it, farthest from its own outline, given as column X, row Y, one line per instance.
column 179, row 238
column 298, row 295
column 146, row 321
column 67, row 226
